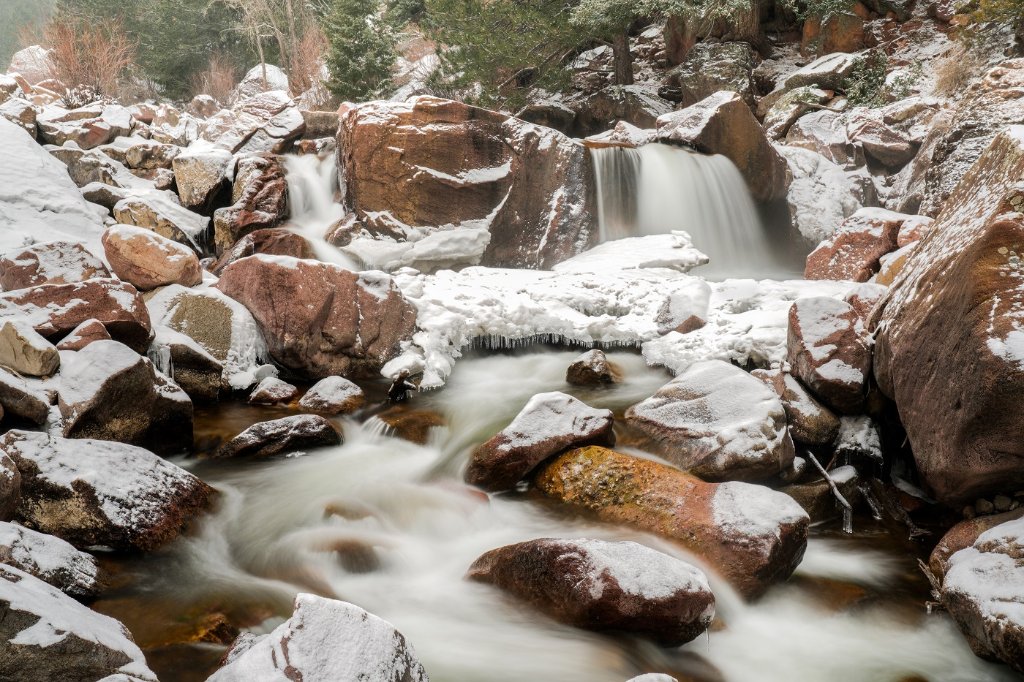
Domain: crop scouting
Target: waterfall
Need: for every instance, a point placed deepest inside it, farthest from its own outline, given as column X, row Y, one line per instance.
column 312, row 186
column 656, row 189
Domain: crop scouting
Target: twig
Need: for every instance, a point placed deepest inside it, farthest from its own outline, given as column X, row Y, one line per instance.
column 847, row 508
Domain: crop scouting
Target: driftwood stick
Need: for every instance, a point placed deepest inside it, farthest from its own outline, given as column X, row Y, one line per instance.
column 847, row 508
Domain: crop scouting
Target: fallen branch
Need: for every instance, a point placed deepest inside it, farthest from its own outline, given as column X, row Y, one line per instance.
column 843, row 502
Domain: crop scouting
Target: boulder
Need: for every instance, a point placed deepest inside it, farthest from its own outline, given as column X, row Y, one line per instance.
column 947, row 336
column 333, row 395
column 195, row 370
column 430, row 162
column 637, row 105
column 50, row 559
column 49, row 636
column 712, row 67
column 785, row 112
column 89, row 167
column 913, row 230
column 160, row 212
column 273, row 391
column 891, row 265
column 825, row 132
column 839, row 32
column 21, row 113
column 141, row 154
column 202, row 106
column 621, row 587
column 681, row 34
column 287, row 434
column 10, row 487
column 84, row 334
column 260, row 78
column 853, row 251
column 265, row 122
column 829, row 351
column 93, row 492
column 858, row 442
column 33, row 63
column 818, row 500
column 881, row 142
column 147, row 260
column 259, row 200
column 320, row 319
column 54, row 310
column 810, row 422
column 24, row 351
column 200, row 174
column 964, row 535
column 22, row 399
column 717, row 422
column 723, row 124
column 109, row 392
column 49, row 263
column 87, row 127
column 276, row 241
column 750, row 534
column 828, row 72
column 325, row 641
column 550, row 423
column 592, row 369
column 864, row 297
column 822, row 195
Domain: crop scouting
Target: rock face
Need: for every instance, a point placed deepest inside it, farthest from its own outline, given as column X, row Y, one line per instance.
column 829, row 351
column 146, row 260
column 92, row 492
column 259, row 199
column 712, row 67
column 325, row 641
column 430, row 162
column 947, row 346
column 982, row 589
column 717, row 422
column 853, row 251
column 108, row 391
column 752, row 535
column 320, row 319
column 604, row 586
column 50, row 263
column 287, row 434
column 50, row 559
column 549, row 423
column 23, row 350
column 592, row 369
column 723, row 124
column 333, row 395
column 49, row 636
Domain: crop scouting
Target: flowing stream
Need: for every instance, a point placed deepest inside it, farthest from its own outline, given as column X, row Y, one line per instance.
column 388, row 525
column 312, row 185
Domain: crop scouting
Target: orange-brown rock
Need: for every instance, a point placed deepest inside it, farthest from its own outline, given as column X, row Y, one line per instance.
column 147, row 260
column 750, row 534
column 853, row 251
column 50, row 263
column 259, row 199
column 274, row 241
column 963, row 535
column 84, row 334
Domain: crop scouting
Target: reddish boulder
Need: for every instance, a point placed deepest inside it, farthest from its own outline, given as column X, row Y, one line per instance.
column 274, row 241
column 259, row 199
column 146, row 260
column 750, row 534
column 604, row 586
column 829, row 351
column 549, row 423
column 84, row 334
column 50, row 263
column 853, row 251
column 964, row 535
column 320, row 319
column 810, row 422
column 287, row 434
column 864, row 297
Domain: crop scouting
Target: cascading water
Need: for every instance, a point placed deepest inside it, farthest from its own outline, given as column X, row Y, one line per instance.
column 657, row 189
column 312, row 186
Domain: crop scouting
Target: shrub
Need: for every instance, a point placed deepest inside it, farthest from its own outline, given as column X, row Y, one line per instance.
column 96, row 56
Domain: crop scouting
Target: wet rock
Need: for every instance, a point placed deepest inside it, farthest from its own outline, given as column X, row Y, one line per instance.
column 717, row 422
column 750, row 534
column 92, row 492
column 10, row 487
column 604, row 586
column 195, row 370
column 964, row 535
column 49, row 263
column 550, row 423
column 21, row 399
column 273, row 391
column 723, row 124
column 817, row 498
column 160, row 212
column 320, row 319
column 712, row 67
column 84, row 334
column 412, row 425
column 49, row 636
column 333, row 395
column 810, row 422
column 829, row 351
column 324, row 641
column 259, row 199
column 200, row 174
column 271, row 241
column 107, row 391
column 592, row 369
column 24, row 351
column 50, row 559
column 287, row 434
column 147, row 260
column 54, row 310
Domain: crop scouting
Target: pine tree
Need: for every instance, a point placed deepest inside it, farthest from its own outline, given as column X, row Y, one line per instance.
column 362, row 50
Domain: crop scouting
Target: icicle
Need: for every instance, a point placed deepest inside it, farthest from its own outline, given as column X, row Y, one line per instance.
column 160, row 356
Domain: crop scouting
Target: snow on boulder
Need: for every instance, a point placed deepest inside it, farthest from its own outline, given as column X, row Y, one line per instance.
column 829, row 71
column 653, row 677
column 273, row 241
column 752, row 535
column 10, row 486
column 23, row 350
column 108, row 391
column 550, row 423
column 325, row 640
column 810, row 422
column 95, row 492
column 592, row 369
column 260, row 78
column 160, row 212
column 853, row 251
column 858, row 441
column 54, row 310
column 320, row 319
column 822, row 195
column 717, row 422
column 673, row 251
column 84, row 334
column 86, row 127
column 22, row 398
column 273, row 391
column 48, row 263
column 288, row 434
column 50, row 559
column 49, row 636
column 147, row 260
column 33, row 63
column 333, row 395
column 265, row 122
column 38, row 201
column 829, row 351
column 621, row 587
column 199, row 173
column 982, row 592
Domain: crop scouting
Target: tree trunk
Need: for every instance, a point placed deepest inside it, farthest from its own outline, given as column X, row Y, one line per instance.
column 622, row 59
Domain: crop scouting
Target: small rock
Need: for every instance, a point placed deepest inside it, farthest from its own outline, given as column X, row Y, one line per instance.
column 288, row 434
column 84, row 334
column 983, row 506
column 592, row 369
column 50, row 559
column 272, row 391
column 23, row 350
column 1002, row 503
column 333, row 395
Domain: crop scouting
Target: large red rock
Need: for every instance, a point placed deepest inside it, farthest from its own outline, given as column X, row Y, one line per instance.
column 604, row 586
column 829, row 351
column 274, row 241
column 49, row 263
column 430, row 162
column 853, row 251
column 147, row 260
column 949, row 338
column 750, row 534
column 259, row 197
column 320, row 319
column 54, row 310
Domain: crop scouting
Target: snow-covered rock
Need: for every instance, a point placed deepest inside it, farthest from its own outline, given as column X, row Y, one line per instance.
column 272, row 391
column 264, row 122
column 23, row 398
column 50, row 559
column 853, row 251
column 33, row 63
column 592, row 369
column 147, row 260
column 84, row 334
column 325, row 641
column 288, row 434
column 674, row 251
column 810, row 422
column 549, row 423
column 160, row 212
column 48, row 263
column 10, row 486
column 822, row 195
column 858, row 441
column 260, row 78
column 23, row 350
column 49, row 636
column 604, row 586
column 199, row 172
column 333, row 395
column 87, row 127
